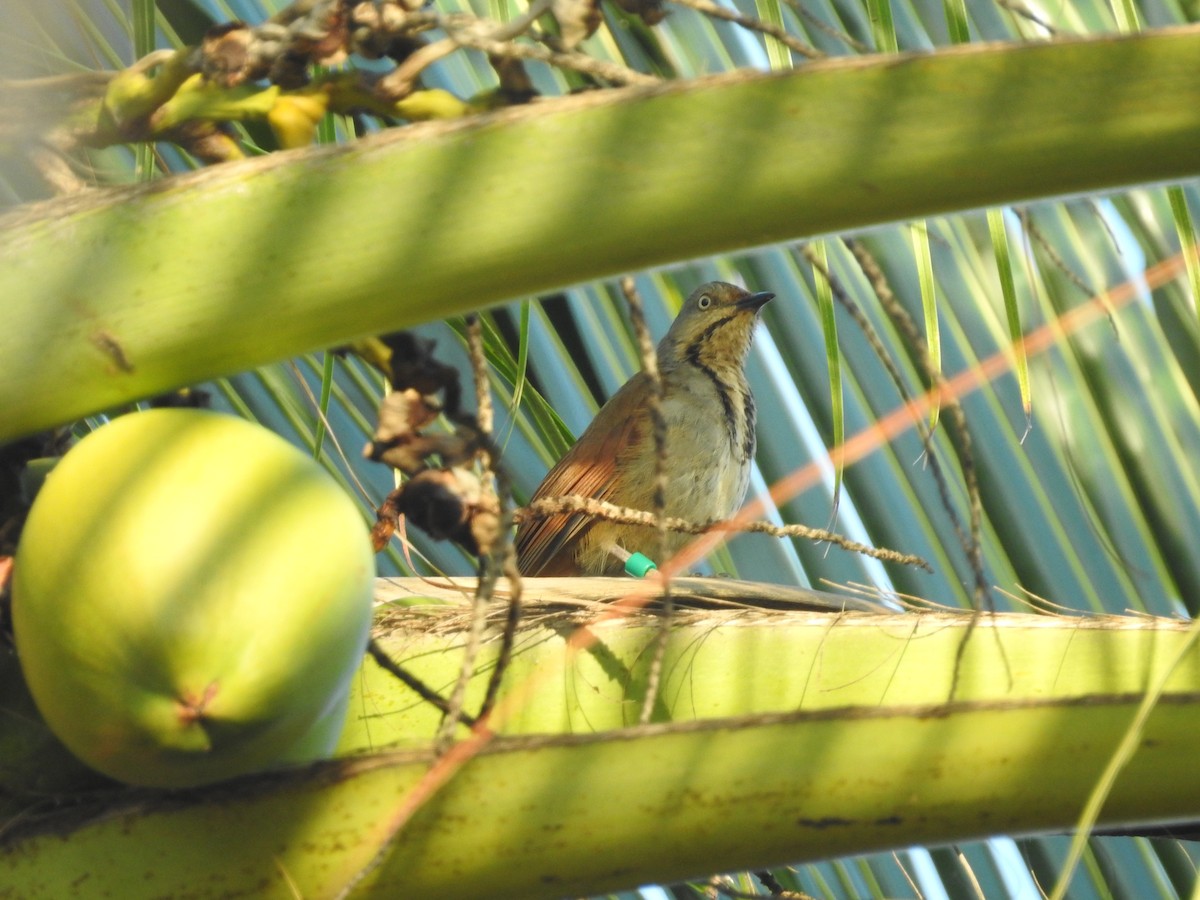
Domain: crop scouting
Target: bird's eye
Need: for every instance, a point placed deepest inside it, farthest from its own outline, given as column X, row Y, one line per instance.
column 704, row 302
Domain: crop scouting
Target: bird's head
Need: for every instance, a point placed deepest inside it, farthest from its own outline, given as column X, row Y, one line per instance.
column 714, row 328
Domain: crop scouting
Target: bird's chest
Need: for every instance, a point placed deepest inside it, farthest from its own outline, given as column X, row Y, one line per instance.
column 710, row 443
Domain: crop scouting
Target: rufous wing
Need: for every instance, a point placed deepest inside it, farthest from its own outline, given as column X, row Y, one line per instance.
column 589, row 469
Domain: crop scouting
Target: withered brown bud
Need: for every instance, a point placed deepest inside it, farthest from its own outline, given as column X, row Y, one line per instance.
column 414, row 365
column 409, row 453
column 402, row 413
column 225, row 53
column 446, row 503
column 577, row 20
column 651, row 11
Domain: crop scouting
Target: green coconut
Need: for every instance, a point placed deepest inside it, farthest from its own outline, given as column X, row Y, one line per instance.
column 191, row 600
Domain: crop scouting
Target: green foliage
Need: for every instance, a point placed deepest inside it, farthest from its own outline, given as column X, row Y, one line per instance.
column 1086, row 464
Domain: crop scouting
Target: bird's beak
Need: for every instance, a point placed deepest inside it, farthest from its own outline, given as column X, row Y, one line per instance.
column 755, row 301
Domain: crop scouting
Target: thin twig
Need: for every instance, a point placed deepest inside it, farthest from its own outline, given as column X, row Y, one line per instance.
column 512, row 620
column 576, row 503
column 399, row 82
column 843, row 298
column 484, row 414
column 420, row 688
column 825, row 28
column 500, row 558
column 1020, row 9
column 330, row 433
column 959, row 434
column 1056, row 260
column 721, row 884
column 576, row 62
column 658, row 424
column 498, row 39
column 708, row 8
column 487, row 574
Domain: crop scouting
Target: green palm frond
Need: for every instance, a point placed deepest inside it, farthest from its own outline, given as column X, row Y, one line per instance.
column 1085, row 462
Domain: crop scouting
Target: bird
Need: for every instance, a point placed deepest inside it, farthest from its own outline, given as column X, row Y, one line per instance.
column 710, row 439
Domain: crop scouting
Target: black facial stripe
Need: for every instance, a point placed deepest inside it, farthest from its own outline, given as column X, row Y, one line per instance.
column 708, row 332
column 748, row 440
column 723, row 390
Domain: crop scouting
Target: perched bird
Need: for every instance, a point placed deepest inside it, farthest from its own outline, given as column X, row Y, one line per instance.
column 710, row 442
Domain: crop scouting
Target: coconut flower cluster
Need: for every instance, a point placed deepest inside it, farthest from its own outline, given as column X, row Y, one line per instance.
column 443, row 494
